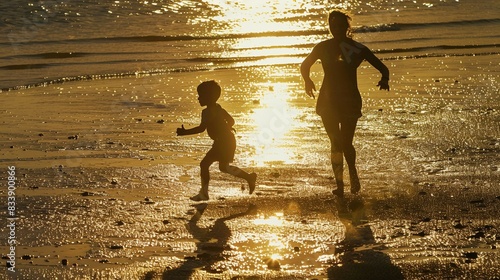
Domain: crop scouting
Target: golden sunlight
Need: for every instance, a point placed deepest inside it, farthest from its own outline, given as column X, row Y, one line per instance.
column 276, row 220
column 273, row 121
column 269, row 49
column 265, row 17
column 276, row 257
column 250, row 16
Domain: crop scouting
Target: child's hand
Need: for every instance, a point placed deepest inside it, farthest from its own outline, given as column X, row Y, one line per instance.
column 181, row 131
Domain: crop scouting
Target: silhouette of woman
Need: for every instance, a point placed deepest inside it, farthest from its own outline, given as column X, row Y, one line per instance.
column 339, row 101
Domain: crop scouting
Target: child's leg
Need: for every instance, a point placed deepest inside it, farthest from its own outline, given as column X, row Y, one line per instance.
column 233, row 170
column 205, row 176
column 237, row 172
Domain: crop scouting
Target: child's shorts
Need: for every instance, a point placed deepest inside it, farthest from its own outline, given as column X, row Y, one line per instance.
column 223, row 150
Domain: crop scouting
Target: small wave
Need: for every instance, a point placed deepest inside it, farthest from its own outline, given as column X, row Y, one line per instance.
column 403, row 26
column 439, row 47
column 437, row 55
column 218, row 37
column 385, row 27
column 52, row 55
column 221, row 63
column 377, row 28
column 89, row 77
column 68, row 55
column 146, row 39
column 238, row 59
column 24, row 66
column 447, row 23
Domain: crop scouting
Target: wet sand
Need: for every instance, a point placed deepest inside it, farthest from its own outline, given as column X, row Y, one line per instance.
column 103, row 182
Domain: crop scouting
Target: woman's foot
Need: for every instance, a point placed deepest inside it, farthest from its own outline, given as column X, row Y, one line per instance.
column 251, row 182
column 338, row 192
column 199, row 197
column 340, row 189
column 355, row 185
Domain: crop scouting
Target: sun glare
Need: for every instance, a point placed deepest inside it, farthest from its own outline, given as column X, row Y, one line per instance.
column 275, row 220
column 276, row 257
column 273, row 120
column 250, row 16
column 244, row 17
column 274, row 117
column 267, row 42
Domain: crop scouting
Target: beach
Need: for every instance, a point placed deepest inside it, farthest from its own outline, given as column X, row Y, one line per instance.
column 103, row 183
column 96, row 183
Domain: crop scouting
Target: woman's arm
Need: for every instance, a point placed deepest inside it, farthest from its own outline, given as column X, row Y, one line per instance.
column 380, row 66
column 305, row 69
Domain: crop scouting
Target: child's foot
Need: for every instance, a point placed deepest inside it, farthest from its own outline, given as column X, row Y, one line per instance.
column 199, row 197
column 251, row 183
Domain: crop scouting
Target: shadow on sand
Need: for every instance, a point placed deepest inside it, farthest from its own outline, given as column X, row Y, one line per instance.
column 209, row 252
column 361, row 257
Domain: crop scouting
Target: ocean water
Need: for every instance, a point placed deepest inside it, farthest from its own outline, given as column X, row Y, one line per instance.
column 44, row 42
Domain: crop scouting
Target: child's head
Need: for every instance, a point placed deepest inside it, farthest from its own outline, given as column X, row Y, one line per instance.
column 339, row 23
column 209, row 91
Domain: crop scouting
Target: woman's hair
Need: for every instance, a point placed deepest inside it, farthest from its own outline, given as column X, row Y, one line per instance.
column 340, row 19
column 210, row 88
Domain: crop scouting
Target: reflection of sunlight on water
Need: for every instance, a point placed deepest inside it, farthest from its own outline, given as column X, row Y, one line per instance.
column 270, row 221
column 254, row 16
column 249, row 16
column 274, row 239
column 249, row 44
column 269, row 61
column 276, row 257
column 273, row 121
column 271, row 241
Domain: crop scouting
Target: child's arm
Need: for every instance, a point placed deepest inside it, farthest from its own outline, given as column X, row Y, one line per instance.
column 229, row 119
column 195, row 130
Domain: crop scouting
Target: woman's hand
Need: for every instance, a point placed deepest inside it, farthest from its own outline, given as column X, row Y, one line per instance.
column 310, row 88
column 383, row 84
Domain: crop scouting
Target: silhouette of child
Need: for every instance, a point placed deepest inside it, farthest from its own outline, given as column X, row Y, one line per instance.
column 219, row 125
column 339, row 100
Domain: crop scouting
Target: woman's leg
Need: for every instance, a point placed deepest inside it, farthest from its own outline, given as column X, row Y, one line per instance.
column 332, row 128
column 347, row 129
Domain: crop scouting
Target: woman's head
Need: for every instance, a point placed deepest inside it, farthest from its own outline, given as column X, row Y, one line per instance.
column 339, row 23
